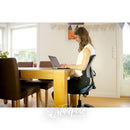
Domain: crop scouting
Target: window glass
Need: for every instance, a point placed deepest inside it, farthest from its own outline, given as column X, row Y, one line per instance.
column 24, row 44
column 126, row 52
column 0, row 39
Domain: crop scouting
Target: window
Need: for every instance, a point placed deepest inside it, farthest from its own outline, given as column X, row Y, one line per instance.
column 0, row 39
column 24, row 44
column 126, row 52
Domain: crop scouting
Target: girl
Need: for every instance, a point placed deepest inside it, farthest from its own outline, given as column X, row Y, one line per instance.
column 86, row 49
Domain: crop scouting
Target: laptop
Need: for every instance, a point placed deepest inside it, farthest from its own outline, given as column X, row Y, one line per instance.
column 55, row 63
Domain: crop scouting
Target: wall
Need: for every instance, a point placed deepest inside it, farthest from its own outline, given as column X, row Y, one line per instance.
column 53, row 41
column 105, row 63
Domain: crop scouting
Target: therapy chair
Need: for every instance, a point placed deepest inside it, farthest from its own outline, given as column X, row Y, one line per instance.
column 90, row 73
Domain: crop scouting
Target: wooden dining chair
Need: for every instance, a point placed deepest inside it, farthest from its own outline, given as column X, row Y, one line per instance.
column 44, row 84
column 11, row 88
column 25, row 64
column 22, row 64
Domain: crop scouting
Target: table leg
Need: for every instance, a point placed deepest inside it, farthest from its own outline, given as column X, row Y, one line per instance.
column 60, row 88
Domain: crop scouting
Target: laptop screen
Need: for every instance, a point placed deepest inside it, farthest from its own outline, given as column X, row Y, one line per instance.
column 54, row 61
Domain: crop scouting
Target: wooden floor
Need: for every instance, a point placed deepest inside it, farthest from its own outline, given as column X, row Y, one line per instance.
column 95, row 101
column 108, row 102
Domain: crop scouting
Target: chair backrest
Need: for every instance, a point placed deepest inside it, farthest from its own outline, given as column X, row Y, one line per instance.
column 89, row 71
column 25, row 64
column 45, row 64
column 9, row 79
column 89, row 67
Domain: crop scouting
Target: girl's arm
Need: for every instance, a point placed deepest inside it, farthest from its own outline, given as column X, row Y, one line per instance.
column 82, row 66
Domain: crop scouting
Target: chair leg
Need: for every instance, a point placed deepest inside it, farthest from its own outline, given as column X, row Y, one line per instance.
column 13, row 103
column 68, row 102
column 46, row 98
column 26, row 101
column 17, row 103
column 38, row 98
column 5, row 101
column 40, row 95
column 79, row 101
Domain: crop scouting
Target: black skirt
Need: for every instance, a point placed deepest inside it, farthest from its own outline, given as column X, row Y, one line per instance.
column 77, row 83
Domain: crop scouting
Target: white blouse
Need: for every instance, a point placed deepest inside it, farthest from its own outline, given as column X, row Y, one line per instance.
column 78, row 73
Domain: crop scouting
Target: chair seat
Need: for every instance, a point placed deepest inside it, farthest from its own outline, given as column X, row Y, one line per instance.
column 44, row 84
column 28, row 89
column 82, row 91
column 24, row 80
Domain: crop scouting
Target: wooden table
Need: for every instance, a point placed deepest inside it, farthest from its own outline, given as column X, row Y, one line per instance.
column 59, row 77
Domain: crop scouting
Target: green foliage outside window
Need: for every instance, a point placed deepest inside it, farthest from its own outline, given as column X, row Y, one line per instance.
column 126, row 66
column 27, row 55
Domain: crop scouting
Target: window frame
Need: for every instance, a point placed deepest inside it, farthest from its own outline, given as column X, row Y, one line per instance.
column 1, row 39
column 3, row 27
column 123, row 86
column 16, row 26
column 124, row 80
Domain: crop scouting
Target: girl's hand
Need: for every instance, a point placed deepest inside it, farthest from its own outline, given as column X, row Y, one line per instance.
column 63, row 65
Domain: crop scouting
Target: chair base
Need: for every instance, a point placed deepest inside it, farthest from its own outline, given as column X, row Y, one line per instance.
column 80, row 105
column 85, row 105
